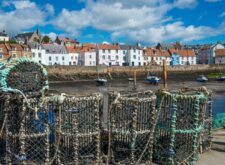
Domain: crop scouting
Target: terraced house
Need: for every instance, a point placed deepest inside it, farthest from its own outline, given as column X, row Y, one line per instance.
column 182, row 57
column 109, row 55
column 8, row 51
column 153, row 56
column 220, row 56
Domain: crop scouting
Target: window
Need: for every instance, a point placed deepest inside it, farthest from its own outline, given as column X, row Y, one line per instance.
column 109, row 57
column 124, row 52
column 109, row 51
column 117, row 57
column 14, row 55
column 134, row 56
column 103, row 57
column 0, row 49
column 0, row 55
column 14, row 48
column 117, row 51
column 56, row 58
column 90, row 56
column 103, row 50
column 76, row 57
column 134, row 50
column 50, row 58
column 139, row 58
column 39, row 55
column 63, row 58
column 90, row 62
column 138, row 51
column 71, row 57
column 50, row 63
column 124, row 58
column 33, row 54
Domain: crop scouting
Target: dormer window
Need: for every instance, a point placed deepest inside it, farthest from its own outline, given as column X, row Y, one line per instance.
column 14, row 48
column 0, row 49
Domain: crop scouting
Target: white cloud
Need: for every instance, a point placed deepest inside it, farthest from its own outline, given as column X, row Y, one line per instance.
column 222, row 14
column 173, row 31
column 52, row 35
column 72, row 21
column 25, row 15
column 50, row 9
column 185, row 4
column 212, row 0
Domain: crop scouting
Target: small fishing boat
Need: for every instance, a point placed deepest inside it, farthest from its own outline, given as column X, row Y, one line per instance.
column 101, row 81
column 153, row 80
column 130, row 79
column 202, row 78
column 220, row 78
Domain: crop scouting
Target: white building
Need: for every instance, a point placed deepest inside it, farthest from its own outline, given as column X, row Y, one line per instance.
column 4, row 36
column 73, row 55
column 87, row 56
column 134, row 55
column 38, row 53
column 50, row 54
column 56, row 55
column 109, row 55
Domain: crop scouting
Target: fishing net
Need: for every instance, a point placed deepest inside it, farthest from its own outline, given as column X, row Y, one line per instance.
column 178, row 128
column 132, row 120
column 57, row 129
column 23, row 75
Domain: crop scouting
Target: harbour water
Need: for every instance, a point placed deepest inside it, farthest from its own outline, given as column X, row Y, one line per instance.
column 89, row 87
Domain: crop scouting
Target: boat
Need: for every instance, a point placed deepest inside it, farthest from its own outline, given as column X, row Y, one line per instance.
column 202, row 78
column 220, row 78
column 153, row 80
column 130, row 79
column 101, row 81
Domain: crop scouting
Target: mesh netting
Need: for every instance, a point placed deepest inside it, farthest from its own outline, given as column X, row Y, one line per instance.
column 23, row 75
column 132, row 122
column 178, row 129
column 57, row 129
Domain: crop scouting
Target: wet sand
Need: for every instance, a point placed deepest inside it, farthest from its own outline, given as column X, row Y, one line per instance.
column 88, row 87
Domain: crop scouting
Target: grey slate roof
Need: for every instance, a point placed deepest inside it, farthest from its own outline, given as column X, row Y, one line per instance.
column 54, row 48
column 127, row 47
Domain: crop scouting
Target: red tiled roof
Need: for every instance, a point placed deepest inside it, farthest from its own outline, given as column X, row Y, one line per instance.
column 90, row 45
column 72, row 49
column 220, row 52
column 183, row 52
column 109, row 47
column 157, row 52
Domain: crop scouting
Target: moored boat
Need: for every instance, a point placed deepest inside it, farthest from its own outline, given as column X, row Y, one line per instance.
column 220, row 78
column 153, row 80
column 101, row 81
column 202, row 78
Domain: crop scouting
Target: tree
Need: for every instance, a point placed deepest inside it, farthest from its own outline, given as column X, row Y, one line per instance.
column 46, row 39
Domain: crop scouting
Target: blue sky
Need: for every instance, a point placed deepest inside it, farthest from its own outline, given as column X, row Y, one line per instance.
column 123, row 21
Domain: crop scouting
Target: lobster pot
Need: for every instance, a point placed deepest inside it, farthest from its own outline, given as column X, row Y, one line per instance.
column 79, row 130
column 27, row 131
column 25, row 75
column 180, row 122
column 206, row 133
column 132, row 120
column 2, row 138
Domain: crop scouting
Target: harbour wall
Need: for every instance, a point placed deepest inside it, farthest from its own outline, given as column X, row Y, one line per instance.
column 68, row 73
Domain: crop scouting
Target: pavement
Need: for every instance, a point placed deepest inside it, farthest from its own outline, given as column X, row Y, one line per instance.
column 216, row 156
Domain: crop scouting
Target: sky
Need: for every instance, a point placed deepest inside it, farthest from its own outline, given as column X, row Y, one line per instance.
column 122, row 21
